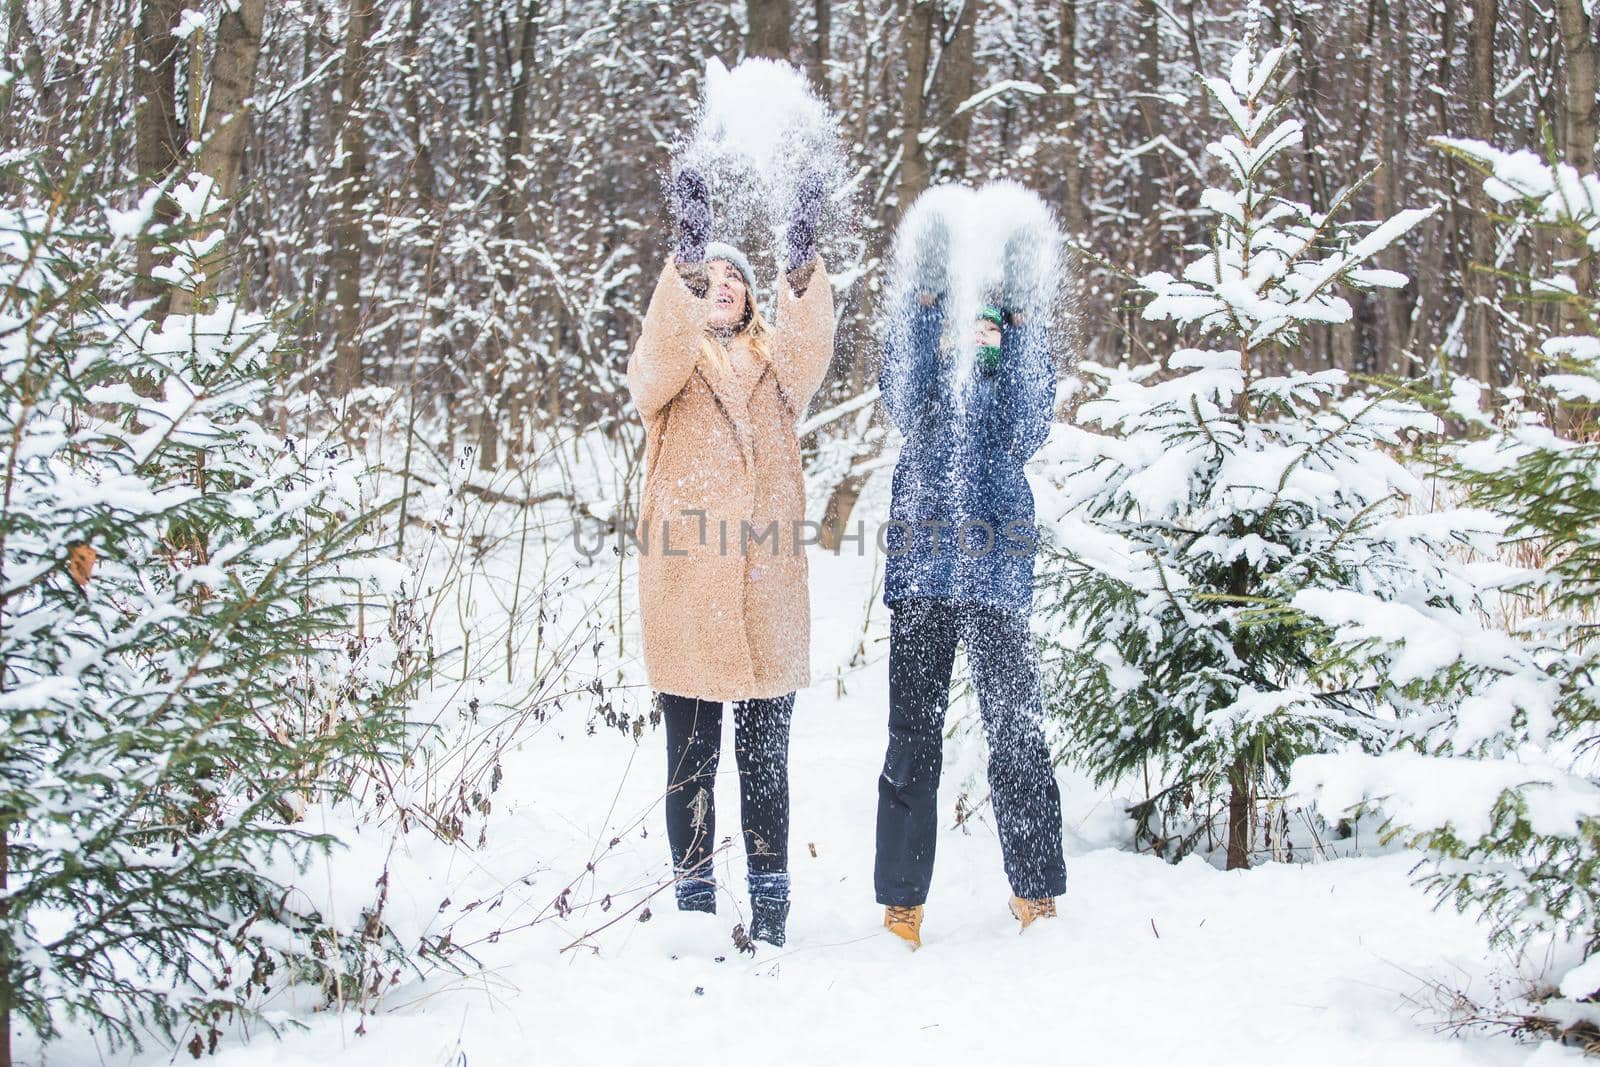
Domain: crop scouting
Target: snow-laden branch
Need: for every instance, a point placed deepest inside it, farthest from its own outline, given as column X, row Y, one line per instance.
column 981, row 97
column 837, row 412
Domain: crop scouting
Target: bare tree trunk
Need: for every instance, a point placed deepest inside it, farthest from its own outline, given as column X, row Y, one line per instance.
column 917, row 40
column 349, row 234
column 472, row 59
column 1072, row 209
column 514, row 163
column 956, row 78
column 1577, row 45
column 1240, row 774
column 1308, row 91
column 1149, row 107
column 1397, row 305
column 1144, row 235
column 1451, row 247
column 1239, row 816
column 1578, row 130
column 155, row 119
column 1481, row 339
column 233, row 79
column 514, row 169
column 227, row 118
column 822, row 49
column 23, row 54
column 422, row 171
column 769, row 35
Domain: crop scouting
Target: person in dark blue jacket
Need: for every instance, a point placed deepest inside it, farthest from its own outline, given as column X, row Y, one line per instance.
column 960, row 569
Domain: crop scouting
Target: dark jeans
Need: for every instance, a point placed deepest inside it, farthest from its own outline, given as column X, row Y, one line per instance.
column 761, row 747
column 1027, row 803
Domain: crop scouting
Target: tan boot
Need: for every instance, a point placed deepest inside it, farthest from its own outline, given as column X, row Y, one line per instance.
column 1025, row 911
column 905, row 922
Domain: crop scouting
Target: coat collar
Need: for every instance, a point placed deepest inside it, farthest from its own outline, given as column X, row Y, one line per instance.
column 735, row 389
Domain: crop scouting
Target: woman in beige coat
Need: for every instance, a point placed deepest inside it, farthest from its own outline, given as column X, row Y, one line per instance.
column 722, row 569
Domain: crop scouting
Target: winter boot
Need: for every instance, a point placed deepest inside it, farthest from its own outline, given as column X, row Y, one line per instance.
column 768, row 915
column 769, row 906
column 905, row 922
column 697, row 894
column 1025, row 911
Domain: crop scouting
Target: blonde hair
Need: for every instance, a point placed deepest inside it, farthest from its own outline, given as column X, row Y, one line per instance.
column 714, row 354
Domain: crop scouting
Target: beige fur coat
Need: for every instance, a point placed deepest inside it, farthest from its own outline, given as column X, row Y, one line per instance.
column 724, row 605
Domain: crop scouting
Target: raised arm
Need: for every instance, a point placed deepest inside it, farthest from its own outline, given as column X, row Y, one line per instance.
column 803, row 346
column 1026, row 387
column 669, row 345
column 910, row 375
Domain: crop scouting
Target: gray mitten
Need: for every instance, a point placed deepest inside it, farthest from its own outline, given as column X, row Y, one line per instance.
column 690, row 201
column 928, row 260
column 1023, row 287
column 802, row 232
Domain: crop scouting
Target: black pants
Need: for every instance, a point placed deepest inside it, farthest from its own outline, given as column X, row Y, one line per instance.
column 761, row 747
column 1027, row 803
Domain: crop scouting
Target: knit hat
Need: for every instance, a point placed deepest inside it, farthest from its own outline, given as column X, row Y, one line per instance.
column 732, row 256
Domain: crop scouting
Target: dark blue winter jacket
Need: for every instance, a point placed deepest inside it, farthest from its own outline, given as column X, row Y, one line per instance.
column 961, row 520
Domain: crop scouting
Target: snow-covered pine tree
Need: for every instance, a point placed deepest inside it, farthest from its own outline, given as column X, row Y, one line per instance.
column 1211, row 493
column 1502, row 790
column 174, row 579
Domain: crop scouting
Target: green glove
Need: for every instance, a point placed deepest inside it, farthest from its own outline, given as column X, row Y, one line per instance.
column 989, row 355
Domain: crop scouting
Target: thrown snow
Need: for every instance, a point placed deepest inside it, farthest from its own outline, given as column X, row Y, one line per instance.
column 976, row 225
column 760, row 128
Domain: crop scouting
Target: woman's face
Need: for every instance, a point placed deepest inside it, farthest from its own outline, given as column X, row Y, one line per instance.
column 987, row 334
column 728, row 294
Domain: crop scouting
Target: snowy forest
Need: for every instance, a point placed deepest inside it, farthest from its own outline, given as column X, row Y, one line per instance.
column 371, row 372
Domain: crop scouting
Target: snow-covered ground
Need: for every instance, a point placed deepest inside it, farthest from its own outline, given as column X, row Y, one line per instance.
column 1332, row 962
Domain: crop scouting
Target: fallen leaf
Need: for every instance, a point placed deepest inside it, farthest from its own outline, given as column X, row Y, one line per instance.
column 80, row 563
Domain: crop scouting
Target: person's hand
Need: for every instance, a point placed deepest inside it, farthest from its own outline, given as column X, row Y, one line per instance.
column 690, row 201
column 802, row 232
column 928, row 259
column 1023, row 287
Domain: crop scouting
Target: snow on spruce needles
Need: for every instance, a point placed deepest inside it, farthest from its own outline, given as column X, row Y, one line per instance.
column 1219, row 492
column 178, row 589
column 1496, row 777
